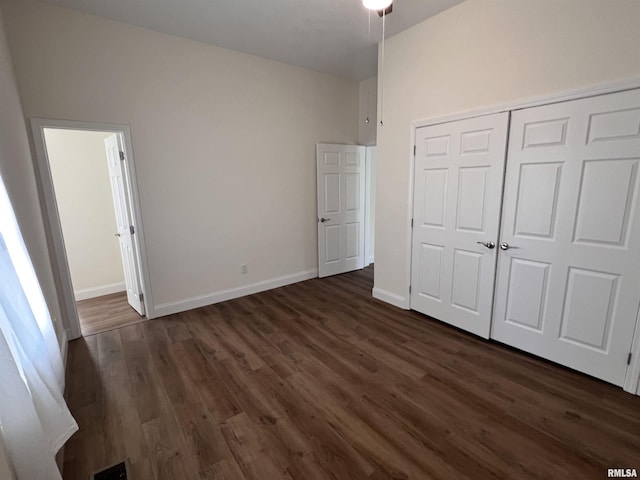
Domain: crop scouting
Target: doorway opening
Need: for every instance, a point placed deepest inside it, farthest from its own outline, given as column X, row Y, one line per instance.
column 87, row 177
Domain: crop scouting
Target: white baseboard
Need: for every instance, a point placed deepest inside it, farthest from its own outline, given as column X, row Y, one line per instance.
column 93, row 292
column 223, row 295
column 392, row 298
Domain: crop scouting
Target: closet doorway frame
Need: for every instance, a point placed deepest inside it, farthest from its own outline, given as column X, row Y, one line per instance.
column 632, row 379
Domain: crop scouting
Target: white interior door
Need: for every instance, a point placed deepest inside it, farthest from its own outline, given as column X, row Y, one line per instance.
column 124, row 220
column 341, row 196
column 459, row 169
column 568, row 287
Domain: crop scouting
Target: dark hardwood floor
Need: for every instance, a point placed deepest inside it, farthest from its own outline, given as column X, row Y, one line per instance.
column 105, row 313
column 319, row 381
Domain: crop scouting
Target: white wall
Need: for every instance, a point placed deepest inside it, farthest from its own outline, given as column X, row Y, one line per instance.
column 224, row 142
column 478, row 54
column 16, row 170
column 367, row 107
column 78, row 163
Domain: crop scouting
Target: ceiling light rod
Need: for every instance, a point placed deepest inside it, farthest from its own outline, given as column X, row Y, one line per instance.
column 377, row 5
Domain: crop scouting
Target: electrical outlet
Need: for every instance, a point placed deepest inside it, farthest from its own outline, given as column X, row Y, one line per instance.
column 244, row 269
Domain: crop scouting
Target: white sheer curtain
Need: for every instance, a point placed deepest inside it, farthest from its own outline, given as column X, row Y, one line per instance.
column 34, row 418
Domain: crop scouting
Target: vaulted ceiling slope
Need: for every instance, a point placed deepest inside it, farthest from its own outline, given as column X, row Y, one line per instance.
column 330, row 36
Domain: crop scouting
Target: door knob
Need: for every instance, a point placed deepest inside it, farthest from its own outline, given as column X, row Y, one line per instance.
column 489, row 245
column 324, row 219
column 506, row 246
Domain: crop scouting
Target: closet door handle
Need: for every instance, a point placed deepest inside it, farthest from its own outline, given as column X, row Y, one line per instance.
column 489, row 245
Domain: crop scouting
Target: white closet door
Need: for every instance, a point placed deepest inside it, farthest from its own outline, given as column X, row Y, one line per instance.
column 459, row 169
column 568, row 286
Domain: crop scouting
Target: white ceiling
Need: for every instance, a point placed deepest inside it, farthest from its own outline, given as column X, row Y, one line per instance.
column 329, row 36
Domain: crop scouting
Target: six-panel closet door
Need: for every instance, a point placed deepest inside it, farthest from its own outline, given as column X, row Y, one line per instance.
column 458, row 177
column 568, row 281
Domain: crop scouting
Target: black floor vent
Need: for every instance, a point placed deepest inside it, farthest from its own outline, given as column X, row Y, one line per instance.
column 115, row 472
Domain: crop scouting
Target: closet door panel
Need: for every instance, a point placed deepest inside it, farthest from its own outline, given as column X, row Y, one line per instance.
column 567, row 286
column 458, row 179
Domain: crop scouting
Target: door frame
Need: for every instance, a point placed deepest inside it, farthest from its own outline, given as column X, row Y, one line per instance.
column 369, row 255
column 53, row 228
column 632, row 380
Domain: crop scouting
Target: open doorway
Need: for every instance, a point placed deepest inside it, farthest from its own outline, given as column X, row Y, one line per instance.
column 87, row 178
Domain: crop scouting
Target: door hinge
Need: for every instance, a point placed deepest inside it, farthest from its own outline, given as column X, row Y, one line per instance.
column 414, row 150
column 132, row 229
column 121, row 155
column 141, row 297
column 412, row 223
column 629, row 358
column 409, row 289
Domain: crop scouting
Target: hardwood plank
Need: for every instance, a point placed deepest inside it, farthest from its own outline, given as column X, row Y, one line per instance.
column 146, row 382
column 83, row 387
column 237, row 347
column 204, row 439
column 109, row 312
column 80, row 461
column 177, row 329
column 202, row 328
column 224, row 470
column 123, row 436
column 178, row 385
column 215, row 396
column 166, row 456
column 369, row 441
column 252, row 456
column 131, row 333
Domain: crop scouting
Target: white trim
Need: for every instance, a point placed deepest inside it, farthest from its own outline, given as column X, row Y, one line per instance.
column 392, row 298
column 412, row 168
column 371, row 259
column 99, row 291
column 367, row 204
column 59, row 262
column 170, row 308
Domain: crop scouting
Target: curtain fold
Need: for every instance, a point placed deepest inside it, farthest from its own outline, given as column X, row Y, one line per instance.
column 34, row 419
column 6, row 472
